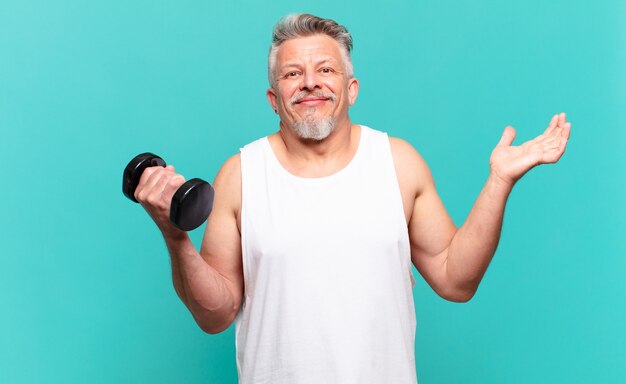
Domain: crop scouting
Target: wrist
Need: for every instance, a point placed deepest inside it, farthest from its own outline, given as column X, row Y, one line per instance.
column 173, row 235
column 500, row 184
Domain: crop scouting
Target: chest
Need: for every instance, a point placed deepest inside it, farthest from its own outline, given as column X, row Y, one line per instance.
column 288, row 219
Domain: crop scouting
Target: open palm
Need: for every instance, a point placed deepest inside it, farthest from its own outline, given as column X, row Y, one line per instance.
column 509, row 163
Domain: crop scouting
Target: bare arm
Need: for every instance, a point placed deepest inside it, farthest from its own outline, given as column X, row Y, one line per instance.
column 210, row 282
column 453, row 261
column 467, row 257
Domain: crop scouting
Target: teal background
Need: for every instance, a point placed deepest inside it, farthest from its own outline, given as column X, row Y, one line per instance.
column 85, row 287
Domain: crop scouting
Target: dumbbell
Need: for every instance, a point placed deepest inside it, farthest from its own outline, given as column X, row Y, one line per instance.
column 192, row 202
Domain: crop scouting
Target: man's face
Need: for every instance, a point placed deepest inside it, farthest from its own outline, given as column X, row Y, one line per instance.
column 311, row 89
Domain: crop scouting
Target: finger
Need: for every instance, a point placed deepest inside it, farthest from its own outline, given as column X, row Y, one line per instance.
column 562, row 145
column 161, row 195
column 154, row 194
column 143, row 179
column 552, row 124
column 149, row 179
column 171, row 186
column 558, row 149
column 562, row 119
column 566, row 130
column 562, row 131
column 145, row 175
column 507, row 137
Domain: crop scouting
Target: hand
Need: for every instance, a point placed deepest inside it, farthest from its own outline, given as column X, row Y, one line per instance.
column 155, row 191
column 510, row 163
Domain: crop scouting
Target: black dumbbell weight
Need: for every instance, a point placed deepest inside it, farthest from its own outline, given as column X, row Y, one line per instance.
column 192, row 202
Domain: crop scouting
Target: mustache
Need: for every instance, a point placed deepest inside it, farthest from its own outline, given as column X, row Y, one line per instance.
column 303, row 94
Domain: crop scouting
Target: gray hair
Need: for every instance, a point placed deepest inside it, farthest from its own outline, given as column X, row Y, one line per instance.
column 303, row 25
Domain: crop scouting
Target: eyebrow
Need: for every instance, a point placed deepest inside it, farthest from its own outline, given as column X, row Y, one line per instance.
column 294, row 64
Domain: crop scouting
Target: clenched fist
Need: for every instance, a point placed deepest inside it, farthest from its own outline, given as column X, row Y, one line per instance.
column 155, row 191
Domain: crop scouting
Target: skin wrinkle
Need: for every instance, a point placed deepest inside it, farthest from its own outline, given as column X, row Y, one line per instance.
column 314, row 65
column 345, row 56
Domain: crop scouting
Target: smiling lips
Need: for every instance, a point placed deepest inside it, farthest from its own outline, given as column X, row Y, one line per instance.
column 312, row 101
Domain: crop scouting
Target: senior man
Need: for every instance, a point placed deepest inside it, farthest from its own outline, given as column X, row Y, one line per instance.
column 314, row 228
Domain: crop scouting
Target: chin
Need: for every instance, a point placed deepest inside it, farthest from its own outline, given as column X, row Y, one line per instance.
column 318, row 129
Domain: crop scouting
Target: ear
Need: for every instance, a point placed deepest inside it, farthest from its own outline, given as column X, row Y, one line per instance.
column 271, row 97
column 353, row 90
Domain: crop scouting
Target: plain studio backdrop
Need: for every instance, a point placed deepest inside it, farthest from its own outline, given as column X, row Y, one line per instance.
column 85, row 285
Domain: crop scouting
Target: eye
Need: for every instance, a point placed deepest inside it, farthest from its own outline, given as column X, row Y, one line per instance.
column 327, row 70
column 291, row 74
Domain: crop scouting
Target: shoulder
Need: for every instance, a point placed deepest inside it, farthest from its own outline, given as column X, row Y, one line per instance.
column 231, row 169
column 405, row 156
column 403, row 153
column 403, row 150
column 411, row 169
column 228, row 182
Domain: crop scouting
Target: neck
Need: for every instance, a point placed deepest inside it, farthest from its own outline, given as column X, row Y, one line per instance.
column 313, row 158
column 337, row 143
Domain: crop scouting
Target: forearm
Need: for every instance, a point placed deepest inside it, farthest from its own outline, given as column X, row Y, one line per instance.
column 201, row 288
column 475, row 243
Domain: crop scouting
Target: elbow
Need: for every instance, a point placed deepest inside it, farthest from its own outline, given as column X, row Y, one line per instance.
column 460, row 295
column 215, row 326
column 460, row 290
column 213, row 330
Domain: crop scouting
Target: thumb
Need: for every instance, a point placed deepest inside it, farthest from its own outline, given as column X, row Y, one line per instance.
column 507, row 136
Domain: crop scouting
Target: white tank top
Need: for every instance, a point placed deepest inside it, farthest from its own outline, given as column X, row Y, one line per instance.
column 327, row 267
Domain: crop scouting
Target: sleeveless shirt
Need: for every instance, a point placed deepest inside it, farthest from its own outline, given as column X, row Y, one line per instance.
column 327, row 269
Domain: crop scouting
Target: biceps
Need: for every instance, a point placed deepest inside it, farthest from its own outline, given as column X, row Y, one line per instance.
column 221, row 245
column 430, row 230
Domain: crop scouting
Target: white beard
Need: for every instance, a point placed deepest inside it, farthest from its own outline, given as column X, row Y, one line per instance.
column 315, row 129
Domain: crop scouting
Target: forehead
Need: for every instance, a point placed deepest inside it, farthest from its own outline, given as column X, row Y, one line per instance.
column 315, row 47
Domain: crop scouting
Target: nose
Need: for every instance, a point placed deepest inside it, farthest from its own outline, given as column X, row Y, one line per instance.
column 310, row 81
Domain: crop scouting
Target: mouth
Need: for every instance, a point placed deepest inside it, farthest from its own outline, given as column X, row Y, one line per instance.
column 312, row 101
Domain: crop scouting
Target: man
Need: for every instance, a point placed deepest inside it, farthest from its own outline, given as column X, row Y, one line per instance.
column 314, row 228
